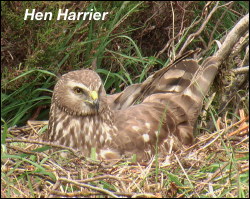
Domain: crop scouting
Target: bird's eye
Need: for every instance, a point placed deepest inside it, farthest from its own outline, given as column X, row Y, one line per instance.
column 78, row 90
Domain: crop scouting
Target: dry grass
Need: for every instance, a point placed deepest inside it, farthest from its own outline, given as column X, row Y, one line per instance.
column 215, row 166
column 141, row 40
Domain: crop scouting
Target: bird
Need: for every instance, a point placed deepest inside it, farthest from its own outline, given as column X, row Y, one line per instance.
column 144, row 119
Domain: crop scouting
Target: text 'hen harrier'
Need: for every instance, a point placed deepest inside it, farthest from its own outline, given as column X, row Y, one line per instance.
column 82, row 116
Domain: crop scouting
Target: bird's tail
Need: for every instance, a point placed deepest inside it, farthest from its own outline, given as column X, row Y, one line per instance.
column 185, row 80
column 162, row 80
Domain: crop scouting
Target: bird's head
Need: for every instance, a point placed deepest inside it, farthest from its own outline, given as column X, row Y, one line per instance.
column 80, row 92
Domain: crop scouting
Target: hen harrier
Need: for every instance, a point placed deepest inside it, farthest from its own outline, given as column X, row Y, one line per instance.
column 161, row 110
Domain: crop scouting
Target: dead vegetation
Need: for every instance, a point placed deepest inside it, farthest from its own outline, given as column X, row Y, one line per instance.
column 217, row 165
column 210, row 167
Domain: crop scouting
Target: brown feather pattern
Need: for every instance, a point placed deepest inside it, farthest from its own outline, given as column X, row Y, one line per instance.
column 170, row 102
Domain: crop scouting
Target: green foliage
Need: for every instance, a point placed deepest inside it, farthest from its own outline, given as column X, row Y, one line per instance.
column 16, row 106
column 59, row 46
column 126, row 48
column 62, row 46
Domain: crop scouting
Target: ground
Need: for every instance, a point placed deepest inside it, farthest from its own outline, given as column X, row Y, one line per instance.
column 137, row 39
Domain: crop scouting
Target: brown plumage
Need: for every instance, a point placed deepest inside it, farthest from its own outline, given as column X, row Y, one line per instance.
column 161, row 110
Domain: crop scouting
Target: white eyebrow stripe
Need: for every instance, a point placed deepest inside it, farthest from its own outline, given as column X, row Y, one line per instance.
column 80, row 85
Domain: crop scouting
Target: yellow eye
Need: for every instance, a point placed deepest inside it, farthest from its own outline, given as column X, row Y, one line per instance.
column 78, row 90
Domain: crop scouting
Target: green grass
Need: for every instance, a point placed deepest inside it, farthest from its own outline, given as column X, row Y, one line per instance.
column 125, row 48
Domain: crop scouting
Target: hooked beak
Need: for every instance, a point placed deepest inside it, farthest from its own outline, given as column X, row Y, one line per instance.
column 94, row 97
